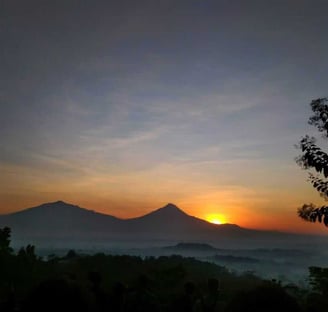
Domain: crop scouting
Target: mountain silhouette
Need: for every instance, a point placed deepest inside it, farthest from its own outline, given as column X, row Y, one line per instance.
column 170, row 220
column 63, row 222
column 168, row 211
column 58, row 220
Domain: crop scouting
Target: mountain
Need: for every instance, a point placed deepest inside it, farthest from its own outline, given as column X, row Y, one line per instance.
column 58, row 220
column 62, row 222
column 170, row 220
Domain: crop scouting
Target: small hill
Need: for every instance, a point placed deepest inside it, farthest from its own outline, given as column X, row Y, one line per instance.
column 192, row 247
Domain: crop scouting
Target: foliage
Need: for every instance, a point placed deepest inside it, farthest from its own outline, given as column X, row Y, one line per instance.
column 28, row 251
column 5, row 235
column 317, row 299
column 319, row 280
column 268, row 297
column 27, row 280
column 104, row 282
column 311, row 213
column 313, row 158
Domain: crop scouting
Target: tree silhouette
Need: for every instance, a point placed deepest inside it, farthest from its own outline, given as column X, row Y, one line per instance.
column 27, row 253
column 314, row 159
column 5, row 235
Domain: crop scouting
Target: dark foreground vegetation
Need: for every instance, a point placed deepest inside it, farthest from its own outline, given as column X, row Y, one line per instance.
column 315, row 160
column 126, row 283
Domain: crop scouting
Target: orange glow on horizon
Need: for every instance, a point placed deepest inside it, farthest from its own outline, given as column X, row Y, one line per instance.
column 215, row 218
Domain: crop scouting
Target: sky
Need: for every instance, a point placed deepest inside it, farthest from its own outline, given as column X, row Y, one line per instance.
column 125, row 106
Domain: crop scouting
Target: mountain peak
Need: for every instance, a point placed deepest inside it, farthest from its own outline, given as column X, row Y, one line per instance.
column 59, row 204
column 56, row 207
column 169, row 210
column 170, row 206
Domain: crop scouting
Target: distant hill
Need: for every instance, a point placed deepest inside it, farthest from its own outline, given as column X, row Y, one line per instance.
column 60, row 222
column 191, row 246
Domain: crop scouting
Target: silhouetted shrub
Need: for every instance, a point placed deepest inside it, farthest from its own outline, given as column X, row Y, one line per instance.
column 56, row 295
column 269, row 298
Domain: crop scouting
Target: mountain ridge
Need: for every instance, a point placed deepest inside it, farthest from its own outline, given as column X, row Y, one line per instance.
column 167, row 210
column 55, row 205
column 60, row 221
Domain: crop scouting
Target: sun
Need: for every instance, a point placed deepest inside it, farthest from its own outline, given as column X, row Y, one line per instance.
column 216, row 221
column 215, row 218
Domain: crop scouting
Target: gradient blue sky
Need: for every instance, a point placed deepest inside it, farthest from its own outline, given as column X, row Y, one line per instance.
column 123, row 106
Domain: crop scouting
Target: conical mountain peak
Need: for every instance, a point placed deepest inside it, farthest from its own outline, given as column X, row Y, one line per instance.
column 171, row 206
column 169, row 210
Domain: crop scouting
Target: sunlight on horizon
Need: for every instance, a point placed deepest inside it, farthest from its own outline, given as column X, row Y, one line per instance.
column 215, row 218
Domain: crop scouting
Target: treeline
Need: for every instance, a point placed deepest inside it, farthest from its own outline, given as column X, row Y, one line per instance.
column 126, row 283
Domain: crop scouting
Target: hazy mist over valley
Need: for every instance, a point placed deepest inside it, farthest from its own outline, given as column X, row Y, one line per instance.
column 56, row 228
